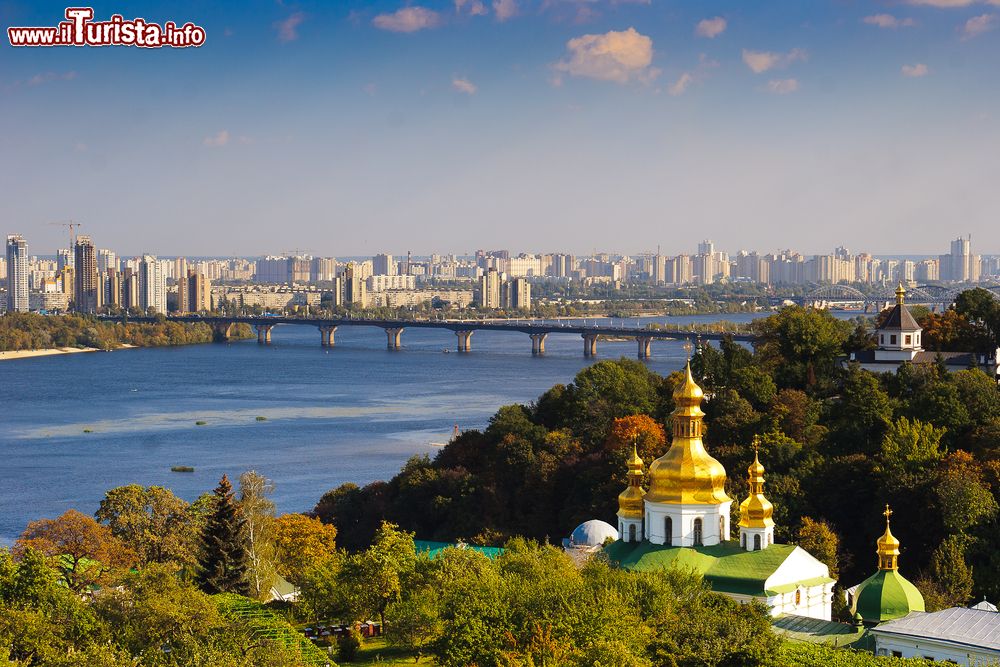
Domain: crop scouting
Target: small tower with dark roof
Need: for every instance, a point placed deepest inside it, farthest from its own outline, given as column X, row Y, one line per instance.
column 899, row 335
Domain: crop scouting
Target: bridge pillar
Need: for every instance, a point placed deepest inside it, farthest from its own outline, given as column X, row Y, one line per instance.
column 394, row 336
column 326, row 335
column 589, row 345
column 464, row 341
column 264, row 333
column 645, row 344
column 538, row 343
column 221, row 331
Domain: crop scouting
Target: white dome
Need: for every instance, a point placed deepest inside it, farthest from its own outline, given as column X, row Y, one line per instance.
column 592, row 533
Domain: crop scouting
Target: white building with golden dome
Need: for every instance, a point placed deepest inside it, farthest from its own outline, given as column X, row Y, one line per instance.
column 683, row 521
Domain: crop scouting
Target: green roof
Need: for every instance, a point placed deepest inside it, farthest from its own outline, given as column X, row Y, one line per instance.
column 886, row 595
column 726, row 566
column 434, row 549
column 818, row 631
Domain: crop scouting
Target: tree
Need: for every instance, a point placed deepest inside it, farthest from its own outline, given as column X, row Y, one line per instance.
column 416, row 622
column 801, row 344
column 257, row 510
column 84, row 552
column 376, row 577
column 610, row 389
column 963, row 496
column 820, row 540
column 223, row 561
column 862, row 415
column 302, row 543
column 153, row 520
column 643, row 430
column 910, row 446
column 950, row 571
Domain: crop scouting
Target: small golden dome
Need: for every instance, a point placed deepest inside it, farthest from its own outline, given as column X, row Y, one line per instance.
column 888, row 546
column 687, row 473
column 756, row 511
column 630, row 501
column 900, row 293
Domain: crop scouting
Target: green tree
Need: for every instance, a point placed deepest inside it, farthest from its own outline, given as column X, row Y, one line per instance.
column 416, row 622
column 963, row 496
column 376, row 577
column 801, row 344
column 222, row 567
column 862, row 416
column 151, row 519
column 950, row 571
column 910, row 446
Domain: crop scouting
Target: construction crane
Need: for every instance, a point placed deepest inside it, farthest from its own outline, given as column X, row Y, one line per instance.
column 72, row 231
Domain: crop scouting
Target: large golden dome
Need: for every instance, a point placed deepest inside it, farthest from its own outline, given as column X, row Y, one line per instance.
column 687, row 473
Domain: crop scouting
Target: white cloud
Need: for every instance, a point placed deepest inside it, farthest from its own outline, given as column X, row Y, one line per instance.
column 288, row 29
column 914, row 71
column 505, row 9
column 407, row 19
column 710, row 28
column 614, row 56
column 888, row 21
column 761, row 61
column 475, row 7
column 681, row 84
column 977, row 25
column 782, row 86
column 463, row 85
column 220, row 138
column 46, row 77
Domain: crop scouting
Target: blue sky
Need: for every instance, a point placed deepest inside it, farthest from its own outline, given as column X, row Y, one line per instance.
column 347, row 128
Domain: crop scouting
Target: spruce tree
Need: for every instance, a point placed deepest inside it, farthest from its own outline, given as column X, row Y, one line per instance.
column 223, row 562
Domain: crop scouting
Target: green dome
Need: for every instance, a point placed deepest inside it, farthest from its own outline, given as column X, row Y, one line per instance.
column 886, row 595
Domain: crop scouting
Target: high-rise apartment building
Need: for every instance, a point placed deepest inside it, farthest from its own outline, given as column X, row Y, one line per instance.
column 355, row 290
column 152, row 285
column 516, row 294
column 383, row 265
column 106, row 259
column 960, row 265
column 489, row 289
column 17, row 274
column 64, row 258
column 86, row 292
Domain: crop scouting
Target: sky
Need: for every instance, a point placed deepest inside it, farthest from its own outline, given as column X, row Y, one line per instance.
column 349, row 128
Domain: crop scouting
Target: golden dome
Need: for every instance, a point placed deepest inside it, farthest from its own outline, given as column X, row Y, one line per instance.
column 687, row 473
column 900, row 294
column 888, row 546
column 630, row 501
column 756, row 510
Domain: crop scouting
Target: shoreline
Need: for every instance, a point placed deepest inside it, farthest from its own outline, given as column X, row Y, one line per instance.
column 48, row 352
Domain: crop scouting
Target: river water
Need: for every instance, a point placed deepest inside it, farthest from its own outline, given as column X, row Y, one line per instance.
column 353, row 413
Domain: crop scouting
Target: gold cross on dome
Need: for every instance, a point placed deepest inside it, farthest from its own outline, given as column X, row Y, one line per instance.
column 756, row 443
column 687, row 348
column 887, row 513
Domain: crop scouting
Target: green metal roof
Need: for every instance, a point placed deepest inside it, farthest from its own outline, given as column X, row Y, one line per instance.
column 817, row 631
column 726, row 566
column 434, row 549
column 886, row 595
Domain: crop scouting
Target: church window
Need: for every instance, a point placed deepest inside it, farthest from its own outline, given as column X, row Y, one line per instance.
column 697, row 533
column 798, row 597
column 743, row 540
column 892, row 339
column 668, row 531
column 631, row 533
column 722, row 529
column 907, row 339
column 881, row 339
column 756, row 542
column 897, row 654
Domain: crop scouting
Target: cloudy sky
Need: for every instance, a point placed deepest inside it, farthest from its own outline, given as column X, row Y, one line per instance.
column 347, row 128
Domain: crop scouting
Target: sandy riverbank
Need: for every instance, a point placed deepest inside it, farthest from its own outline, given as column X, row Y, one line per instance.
column 27, row 354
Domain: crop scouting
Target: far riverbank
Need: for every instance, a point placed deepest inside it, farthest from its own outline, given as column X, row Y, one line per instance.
column 27, row 354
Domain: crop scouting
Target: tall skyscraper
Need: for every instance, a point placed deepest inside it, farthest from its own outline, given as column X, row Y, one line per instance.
column 152, row 285
column 355, row 290
column 86, row 295
column 106, row 259
column 383, row 265
column 489, row 289
column 17, row 274
column 64, row 258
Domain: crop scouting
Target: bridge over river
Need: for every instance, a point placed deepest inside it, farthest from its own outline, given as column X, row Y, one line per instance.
column 537, row 330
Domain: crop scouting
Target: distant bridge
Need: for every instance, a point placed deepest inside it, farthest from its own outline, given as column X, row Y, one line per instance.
column 463, row 329
column 932, row 295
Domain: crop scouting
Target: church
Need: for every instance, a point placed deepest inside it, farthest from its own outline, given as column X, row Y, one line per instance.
column 684, row 520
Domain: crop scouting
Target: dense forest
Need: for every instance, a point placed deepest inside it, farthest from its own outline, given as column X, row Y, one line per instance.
column 838, row 444
column 30, row 331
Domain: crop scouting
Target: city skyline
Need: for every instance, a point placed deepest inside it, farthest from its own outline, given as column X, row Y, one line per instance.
column 456, row 125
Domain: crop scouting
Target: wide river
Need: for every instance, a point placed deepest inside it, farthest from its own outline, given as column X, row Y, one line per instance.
column 73, row 426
